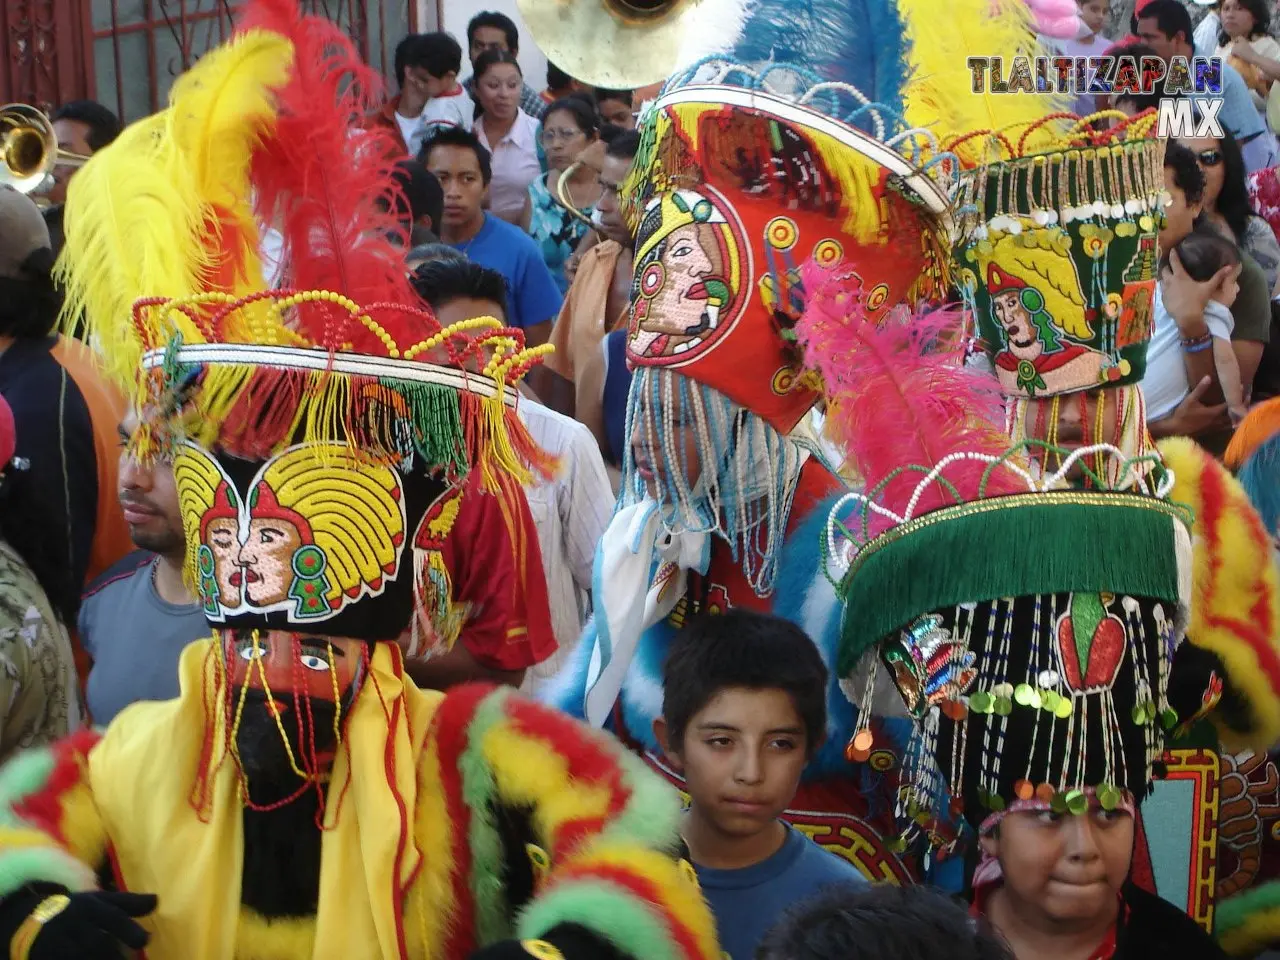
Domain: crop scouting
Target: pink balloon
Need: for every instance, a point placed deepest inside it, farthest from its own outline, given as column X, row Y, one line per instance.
column 1061, row 28
column 1053, row 8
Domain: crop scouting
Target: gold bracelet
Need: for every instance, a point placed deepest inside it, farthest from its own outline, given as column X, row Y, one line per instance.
column 29, row 929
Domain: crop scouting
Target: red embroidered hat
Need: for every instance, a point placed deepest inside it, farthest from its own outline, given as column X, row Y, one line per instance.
column 999, row 282
column 736, row 190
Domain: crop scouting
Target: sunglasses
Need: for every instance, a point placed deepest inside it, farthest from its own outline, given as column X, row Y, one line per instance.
column 1209, row 158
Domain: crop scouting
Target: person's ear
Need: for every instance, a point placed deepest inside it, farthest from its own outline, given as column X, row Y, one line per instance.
column 662, row 735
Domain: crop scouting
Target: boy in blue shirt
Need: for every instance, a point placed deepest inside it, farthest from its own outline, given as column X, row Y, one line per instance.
column 463, row 166
column 744, row 708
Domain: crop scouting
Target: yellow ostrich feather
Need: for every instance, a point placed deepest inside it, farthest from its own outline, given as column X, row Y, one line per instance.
column 939, row 96
column 1235, row 605
column 133, row 220
column 147, row 215
column 219, row 112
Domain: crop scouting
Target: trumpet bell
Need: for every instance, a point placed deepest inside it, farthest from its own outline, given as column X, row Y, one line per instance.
column 610, row 43
column 29, row 149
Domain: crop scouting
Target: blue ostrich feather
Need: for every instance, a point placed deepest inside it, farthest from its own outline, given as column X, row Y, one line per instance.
column 1258, row 477
column 858, row 42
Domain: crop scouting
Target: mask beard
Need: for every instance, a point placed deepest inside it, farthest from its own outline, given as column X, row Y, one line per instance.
column 264, row 759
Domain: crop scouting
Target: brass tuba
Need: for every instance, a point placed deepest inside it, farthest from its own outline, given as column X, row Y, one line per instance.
column 29, row 149
column 619, row 44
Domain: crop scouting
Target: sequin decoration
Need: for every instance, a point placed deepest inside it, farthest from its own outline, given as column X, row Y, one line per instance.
column 929, row 666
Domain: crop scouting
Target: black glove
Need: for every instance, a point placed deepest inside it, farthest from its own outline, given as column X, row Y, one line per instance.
column 568, row 940
column 92, row 926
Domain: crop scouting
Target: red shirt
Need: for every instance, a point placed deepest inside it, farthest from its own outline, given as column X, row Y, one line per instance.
column 725, row 584
column 496, row 569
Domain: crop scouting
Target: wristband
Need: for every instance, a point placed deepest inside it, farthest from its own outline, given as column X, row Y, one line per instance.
column 1197, row 346
column 1205, row 337
column 50, row 907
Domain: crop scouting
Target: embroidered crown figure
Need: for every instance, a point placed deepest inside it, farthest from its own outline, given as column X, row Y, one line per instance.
column 1056, row 256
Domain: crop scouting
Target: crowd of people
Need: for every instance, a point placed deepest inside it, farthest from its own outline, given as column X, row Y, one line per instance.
column 735, row 518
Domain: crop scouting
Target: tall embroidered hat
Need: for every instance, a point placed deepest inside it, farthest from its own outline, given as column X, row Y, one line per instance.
column 1028, row 629
column 1056, row 257
column 320, row 433
column 793, row 133
column 1057, row 254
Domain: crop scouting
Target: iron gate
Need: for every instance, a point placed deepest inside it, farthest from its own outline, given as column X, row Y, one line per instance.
column 46, row 51
column 126, row 53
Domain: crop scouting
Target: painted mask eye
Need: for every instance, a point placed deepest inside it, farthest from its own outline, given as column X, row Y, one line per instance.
column 314, row 658
column 245, row 649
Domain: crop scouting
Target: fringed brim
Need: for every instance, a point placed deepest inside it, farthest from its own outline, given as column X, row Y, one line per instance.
column 253, row 401
column 1014, row 546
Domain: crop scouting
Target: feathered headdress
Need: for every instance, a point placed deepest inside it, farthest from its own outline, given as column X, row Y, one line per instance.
column 939, row 94
column 965, row 576
column 1255, row 430
column 1254, row 453
column 908, row 59
column 904, row 370
column 323, row 182
column 165, row 212
column 1236, row 612
column 337, row 406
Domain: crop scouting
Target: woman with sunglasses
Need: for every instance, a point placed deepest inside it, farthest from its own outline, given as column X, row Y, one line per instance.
column 1226, row 207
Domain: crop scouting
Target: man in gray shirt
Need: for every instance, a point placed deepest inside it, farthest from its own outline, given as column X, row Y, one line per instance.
column 138, row 616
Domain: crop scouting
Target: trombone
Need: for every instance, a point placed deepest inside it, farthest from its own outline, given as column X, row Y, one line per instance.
column 29, row 149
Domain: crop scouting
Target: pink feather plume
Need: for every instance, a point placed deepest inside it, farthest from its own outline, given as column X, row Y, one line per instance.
column 318, row 176
column 895, row 398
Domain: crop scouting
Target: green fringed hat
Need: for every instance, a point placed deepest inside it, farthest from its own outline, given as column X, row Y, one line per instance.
column 1029, row 633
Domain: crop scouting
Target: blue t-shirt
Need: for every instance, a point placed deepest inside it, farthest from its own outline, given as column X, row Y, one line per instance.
column 747, row 902
column 532, row 296
column 134, row 637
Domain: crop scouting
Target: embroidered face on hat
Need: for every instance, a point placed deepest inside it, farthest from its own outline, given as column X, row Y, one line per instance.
column 733, row 194
column 300, row 538
column 318, row 489
column 1057, row 259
